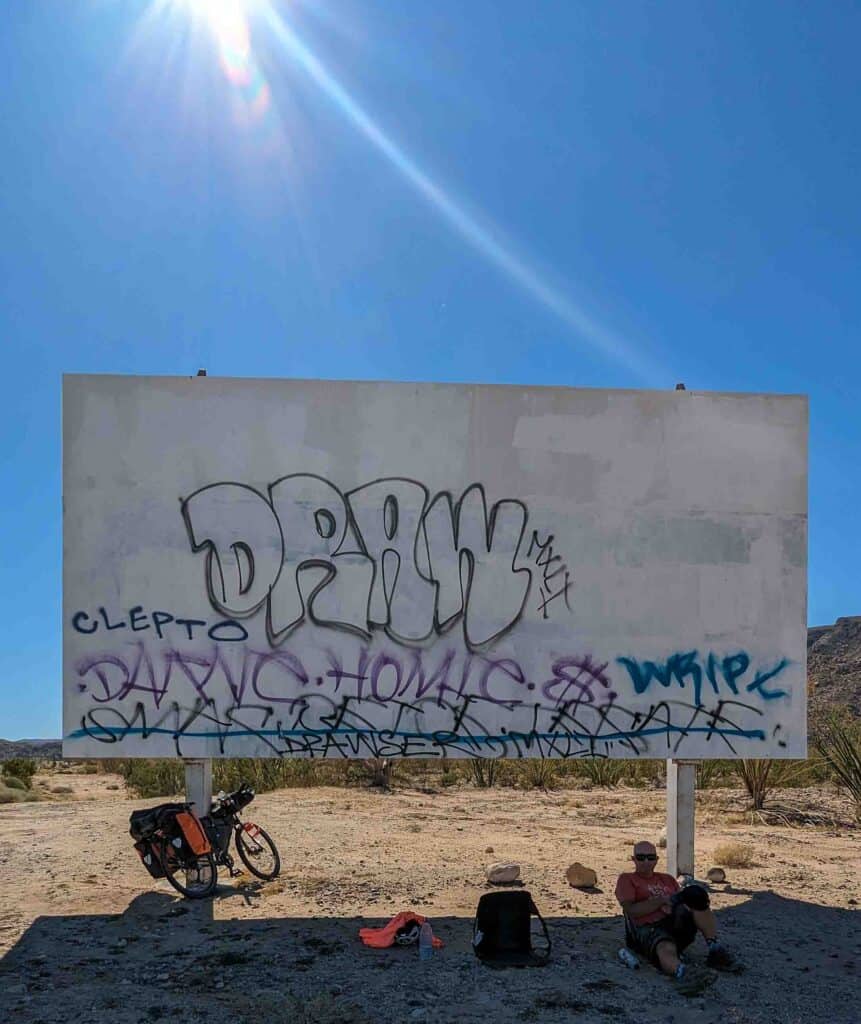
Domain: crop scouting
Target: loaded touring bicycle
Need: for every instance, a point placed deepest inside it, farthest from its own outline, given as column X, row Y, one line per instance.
column 174, row 843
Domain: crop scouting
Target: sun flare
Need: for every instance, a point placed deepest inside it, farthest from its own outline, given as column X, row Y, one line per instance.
column 227, row 21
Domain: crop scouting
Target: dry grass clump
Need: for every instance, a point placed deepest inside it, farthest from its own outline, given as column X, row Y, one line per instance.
column 734, row 855
column 13, row 795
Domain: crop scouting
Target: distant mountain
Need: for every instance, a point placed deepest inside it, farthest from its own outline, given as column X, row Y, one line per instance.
column 834, row 667
column 52, row 750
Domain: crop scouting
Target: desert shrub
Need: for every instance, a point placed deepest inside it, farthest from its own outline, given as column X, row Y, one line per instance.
column 379, row 771
column 601, row 771
column 838, row 740
column 538, row 773
column 62, row 790
column 147, row 778
column 164, row 777
column 16, row 796
column 12, row 783
column 22, row 768
column 712, row 773
column 484, row 772
column 734, row 855
column 644, row 773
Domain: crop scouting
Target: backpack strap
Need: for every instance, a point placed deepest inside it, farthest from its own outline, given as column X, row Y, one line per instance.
column 543, row 955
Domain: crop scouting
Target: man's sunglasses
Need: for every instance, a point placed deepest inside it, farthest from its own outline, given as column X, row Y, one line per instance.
column 645, row 856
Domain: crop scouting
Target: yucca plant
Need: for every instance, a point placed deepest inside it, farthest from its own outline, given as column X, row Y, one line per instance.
column 761, row 775
column 538, row 773
column 839, row 743
column 602, row 771
column 484, row 772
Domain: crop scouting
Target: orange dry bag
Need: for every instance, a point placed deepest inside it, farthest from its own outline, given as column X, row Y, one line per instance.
column 193, row 833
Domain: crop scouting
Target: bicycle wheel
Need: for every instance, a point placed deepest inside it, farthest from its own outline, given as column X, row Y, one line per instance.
column 257, row 851
column 195, row 876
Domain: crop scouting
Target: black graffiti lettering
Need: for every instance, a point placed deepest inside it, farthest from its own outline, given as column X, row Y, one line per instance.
column 555, row 578
column 108, row 624
column 241, row 535
column 78, row 620
column 325, row 575
column 493, row 591
column 137, row 620
column 380, row 557
column 388, row 515
column 189, row 625
column 160, row 619
column 229, row 630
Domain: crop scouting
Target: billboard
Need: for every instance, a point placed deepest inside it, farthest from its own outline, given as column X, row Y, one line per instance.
column 298, row 568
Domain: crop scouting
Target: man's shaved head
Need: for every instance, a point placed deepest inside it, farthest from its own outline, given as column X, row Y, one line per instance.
column 645, row 857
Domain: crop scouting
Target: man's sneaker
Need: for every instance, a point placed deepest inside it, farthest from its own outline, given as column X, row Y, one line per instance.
column 722, row 960
column 693, row 980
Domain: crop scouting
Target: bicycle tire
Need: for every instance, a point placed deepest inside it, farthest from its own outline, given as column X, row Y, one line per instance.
column 201, row 874
column 246, row 854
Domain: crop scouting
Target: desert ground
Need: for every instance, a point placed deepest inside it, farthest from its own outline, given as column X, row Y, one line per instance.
column 86, row 937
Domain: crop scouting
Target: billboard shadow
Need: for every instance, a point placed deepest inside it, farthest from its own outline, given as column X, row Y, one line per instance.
column 183, row 961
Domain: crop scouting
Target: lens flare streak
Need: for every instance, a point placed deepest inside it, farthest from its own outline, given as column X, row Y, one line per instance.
column 480, row 238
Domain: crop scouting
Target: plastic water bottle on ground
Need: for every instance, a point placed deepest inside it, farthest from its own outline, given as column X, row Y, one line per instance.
column 425, row 941
column 628, row 958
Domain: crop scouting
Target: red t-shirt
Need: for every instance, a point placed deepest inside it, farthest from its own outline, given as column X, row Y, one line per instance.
column 632, row 888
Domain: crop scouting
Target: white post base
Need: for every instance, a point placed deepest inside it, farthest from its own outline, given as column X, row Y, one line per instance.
column 198, row 784
column 681, row 784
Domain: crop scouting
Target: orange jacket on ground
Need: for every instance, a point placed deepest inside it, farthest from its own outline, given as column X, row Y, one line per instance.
column 381, row 938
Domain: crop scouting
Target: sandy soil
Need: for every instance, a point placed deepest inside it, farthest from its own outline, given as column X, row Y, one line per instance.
column 86, row 936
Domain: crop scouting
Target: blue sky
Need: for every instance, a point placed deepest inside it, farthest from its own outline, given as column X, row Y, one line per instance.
column 594, row 194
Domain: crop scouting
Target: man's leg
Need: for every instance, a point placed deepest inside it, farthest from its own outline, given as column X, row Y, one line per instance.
column 706, row 923
column 667, row 956
column 689, row 980
column 719, row 956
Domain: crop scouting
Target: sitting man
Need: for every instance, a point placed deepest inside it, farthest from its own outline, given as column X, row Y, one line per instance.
column 663, row 920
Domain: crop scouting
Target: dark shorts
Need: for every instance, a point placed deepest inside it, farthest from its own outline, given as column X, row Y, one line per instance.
column 678, row 927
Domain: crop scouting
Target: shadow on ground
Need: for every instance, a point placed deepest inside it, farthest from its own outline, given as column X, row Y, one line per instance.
column 182, row 961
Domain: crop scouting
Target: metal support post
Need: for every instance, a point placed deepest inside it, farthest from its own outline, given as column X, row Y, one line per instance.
column 681, row 785
column 198, row 783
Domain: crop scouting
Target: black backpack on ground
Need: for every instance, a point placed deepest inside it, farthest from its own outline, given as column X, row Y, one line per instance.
column 502, row 932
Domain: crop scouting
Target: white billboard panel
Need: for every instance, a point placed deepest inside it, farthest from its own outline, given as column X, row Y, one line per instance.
column 354, row 569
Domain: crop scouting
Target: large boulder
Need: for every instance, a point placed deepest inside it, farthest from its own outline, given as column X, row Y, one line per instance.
column 503, row 873
column 581, row 877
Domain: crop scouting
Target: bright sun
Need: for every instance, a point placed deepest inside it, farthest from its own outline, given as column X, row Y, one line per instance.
column 218, row 13
column 227, row 21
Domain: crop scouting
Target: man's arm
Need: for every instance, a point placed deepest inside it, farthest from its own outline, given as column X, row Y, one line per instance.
column 643, row 907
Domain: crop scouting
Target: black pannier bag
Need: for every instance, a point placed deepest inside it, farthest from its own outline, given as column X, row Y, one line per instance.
column 145, row 823
column 502, row 932
column 148, row 854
